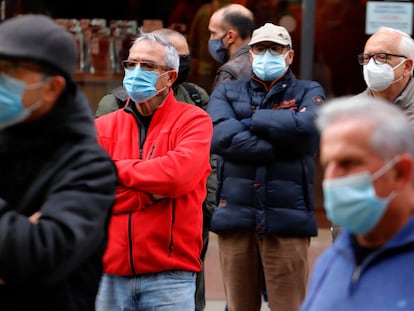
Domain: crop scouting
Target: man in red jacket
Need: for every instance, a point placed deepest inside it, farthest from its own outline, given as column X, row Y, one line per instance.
column 161, row 149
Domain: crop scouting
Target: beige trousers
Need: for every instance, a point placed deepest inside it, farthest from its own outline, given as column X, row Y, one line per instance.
column 245, row 259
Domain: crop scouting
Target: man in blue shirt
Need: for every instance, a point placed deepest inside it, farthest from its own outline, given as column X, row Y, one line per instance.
column 367, row 151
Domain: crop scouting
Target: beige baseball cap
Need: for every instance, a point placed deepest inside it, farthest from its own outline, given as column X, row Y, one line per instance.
column 272, row 33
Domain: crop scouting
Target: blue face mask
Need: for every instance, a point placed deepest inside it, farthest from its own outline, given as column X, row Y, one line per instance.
column 12, row 110
column 268, row 67
column 217, row 50
column 140, row 84
column 351, row 201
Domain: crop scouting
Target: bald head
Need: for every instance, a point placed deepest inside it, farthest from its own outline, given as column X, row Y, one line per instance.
column 237, row 9
column 177, row 40
column 235, row 16
column 391, row 39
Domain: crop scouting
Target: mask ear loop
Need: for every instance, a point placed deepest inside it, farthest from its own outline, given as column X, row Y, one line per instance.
column 36, row 84
column 387, row 166
column 382, row 171
column 395, row 67
column 36, row 105
column 33, row 86
column 165, row 87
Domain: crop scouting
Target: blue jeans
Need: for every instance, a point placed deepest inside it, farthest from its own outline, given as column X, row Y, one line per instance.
column 163, row 291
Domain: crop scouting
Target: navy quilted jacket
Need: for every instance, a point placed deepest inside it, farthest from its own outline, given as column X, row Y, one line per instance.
column 266, row 141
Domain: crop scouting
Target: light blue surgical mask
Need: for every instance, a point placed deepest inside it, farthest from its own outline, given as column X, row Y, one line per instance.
column 12, row 110
column 217, row 50
column 351, row 201
column 140, row 84
column 268, row 67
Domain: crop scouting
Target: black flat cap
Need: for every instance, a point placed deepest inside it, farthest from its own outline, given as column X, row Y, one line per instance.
column 38, row 38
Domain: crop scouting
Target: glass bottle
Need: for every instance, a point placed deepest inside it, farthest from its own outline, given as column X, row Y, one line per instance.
column 124, row 32
column 101, row 48
column 85, row 25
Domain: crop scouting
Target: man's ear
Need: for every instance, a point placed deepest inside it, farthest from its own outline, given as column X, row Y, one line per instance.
column 408, row 66
column 251, row 56
column 55, row 87
column 50, row 93
column 232, row 36
column 289, row 58
column 404, row 170
column 172, row 76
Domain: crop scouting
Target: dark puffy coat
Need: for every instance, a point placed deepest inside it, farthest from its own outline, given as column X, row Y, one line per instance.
column 266, row 168
column 54, row 165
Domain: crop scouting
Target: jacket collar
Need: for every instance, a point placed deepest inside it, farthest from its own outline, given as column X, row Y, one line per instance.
column 240, row 51
column 258, row 84
column 402, row 238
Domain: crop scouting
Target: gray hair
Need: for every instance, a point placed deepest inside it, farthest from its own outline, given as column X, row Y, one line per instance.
column 172, row 59
column 392, row 133
column 406, row 46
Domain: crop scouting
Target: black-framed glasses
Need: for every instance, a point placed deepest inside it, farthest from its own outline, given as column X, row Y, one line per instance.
column 275, row 49
column 379, row 58
column 148, row 66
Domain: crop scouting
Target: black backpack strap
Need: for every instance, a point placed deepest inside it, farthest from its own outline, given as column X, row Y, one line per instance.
column 121, row 96
column 193, row 92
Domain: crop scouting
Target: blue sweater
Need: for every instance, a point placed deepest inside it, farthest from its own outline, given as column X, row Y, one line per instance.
column 383, row 282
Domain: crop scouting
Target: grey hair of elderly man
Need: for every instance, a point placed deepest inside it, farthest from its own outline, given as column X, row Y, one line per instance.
column 392, row 132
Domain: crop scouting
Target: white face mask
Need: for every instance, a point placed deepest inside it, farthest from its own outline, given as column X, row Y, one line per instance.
column 379, row 77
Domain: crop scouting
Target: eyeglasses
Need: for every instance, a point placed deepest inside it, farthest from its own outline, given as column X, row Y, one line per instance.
column 274, row 49
column 379, row 58
column 148, row 66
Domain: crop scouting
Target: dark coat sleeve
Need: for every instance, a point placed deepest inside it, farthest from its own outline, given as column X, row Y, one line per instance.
column 231, row 138
column 292, row 131
column 77, row 194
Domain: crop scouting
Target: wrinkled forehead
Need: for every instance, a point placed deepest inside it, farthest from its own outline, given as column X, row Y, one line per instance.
column 346, row 138
column 348, row 129
column 383, row 41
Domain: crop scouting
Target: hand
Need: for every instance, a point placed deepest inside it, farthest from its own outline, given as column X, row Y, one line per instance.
column 246, row 122
column 34, row 219
column 157, row 197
